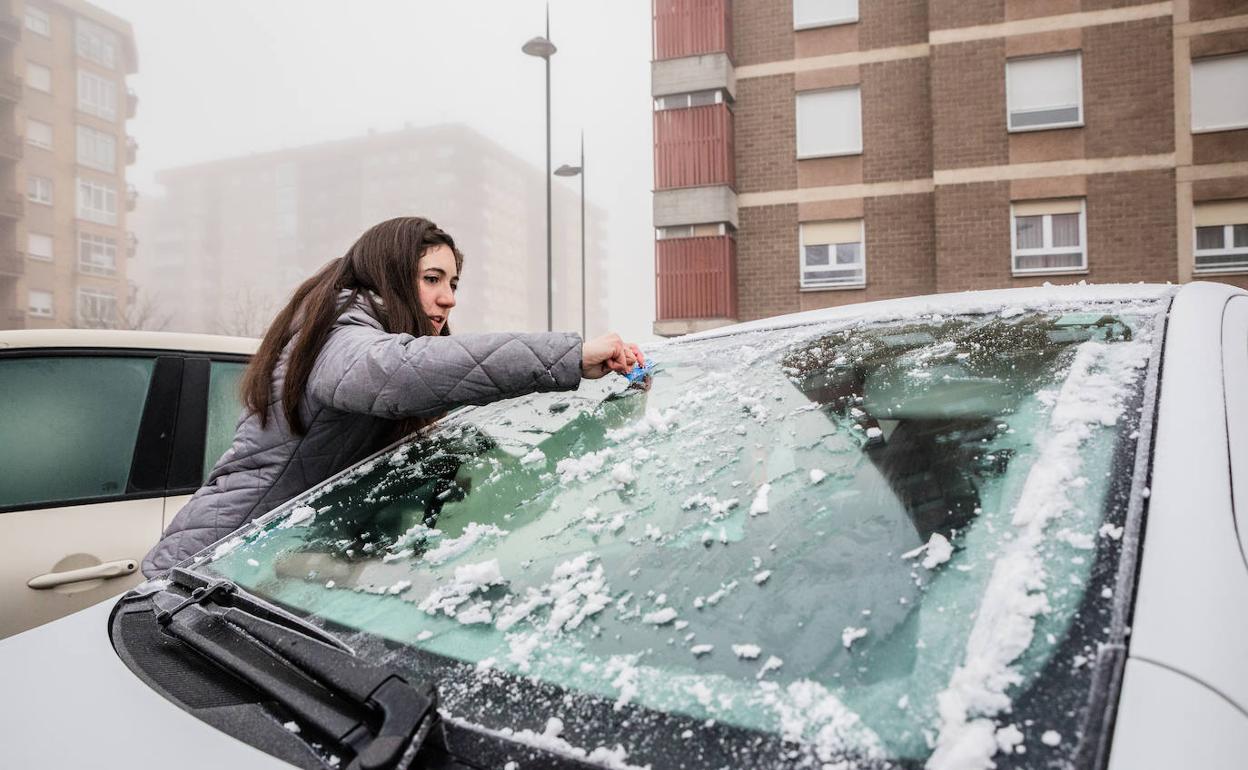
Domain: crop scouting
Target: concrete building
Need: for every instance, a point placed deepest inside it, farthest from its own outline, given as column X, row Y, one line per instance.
column 811, row 153
column 64, row 152
column 231, row 239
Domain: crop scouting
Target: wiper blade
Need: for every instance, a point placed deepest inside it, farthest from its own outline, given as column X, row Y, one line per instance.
column 372, row 711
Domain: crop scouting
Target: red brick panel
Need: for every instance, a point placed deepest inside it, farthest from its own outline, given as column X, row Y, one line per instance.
column 900, row 248
column 691, row 27
column 1131, row 227
column 693, row 147
column 766, row 134
column 1128, row 88
column 972, row 236
column 1216, row 9
column 1220, row 146
column 889, row 23
column 947, row 14
column 1100, row 5
column 762, row 31
column 695, row 278
column 767, row 261
column 896, row 121
column 968, row 104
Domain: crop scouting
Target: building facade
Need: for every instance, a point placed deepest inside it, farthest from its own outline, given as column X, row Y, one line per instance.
column 230, row 240
column 811, row 153
column 64, row 149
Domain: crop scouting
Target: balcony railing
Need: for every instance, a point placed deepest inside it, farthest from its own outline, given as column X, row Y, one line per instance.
column 132, row 197
column 696, row 277
column 12, row 205
column 11, row 145
column 10, row 26
column 132, row 150
column 12, row 262
column 12, row 318
column 693, row 147
column 10, row 88
column 132, row 103
column 132, row 245
column 691, row 27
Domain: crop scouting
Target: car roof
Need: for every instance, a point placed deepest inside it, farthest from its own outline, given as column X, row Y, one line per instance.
column 25, row 339
column 966, row 302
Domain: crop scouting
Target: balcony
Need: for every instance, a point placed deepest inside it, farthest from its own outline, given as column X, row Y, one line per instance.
column 696, row 278
column 693, row 147
column 10, row 26
column 11, row 145
column 691, row 28
column 132, row 103
column 12, row 262
column 132, row 197
column 132, row 150
column 12, row 318
column 10, row 88
column 12, row 205
column 132, row 245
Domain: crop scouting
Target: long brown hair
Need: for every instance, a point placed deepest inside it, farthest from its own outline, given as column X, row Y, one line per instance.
column 381, row 268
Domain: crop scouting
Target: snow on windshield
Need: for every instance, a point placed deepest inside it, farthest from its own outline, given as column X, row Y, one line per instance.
column 862, row 540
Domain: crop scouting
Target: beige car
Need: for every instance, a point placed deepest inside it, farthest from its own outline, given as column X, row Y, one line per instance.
column 104, row 435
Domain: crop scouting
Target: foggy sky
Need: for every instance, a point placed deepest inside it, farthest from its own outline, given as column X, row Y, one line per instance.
column 222, row 78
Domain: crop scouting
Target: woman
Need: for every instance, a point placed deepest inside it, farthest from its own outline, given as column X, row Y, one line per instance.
column 359, row 357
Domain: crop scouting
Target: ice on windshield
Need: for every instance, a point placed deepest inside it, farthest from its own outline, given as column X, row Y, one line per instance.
column 867, row 540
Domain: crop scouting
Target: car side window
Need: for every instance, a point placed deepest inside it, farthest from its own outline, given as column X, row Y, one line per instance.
column 224, row 407
column 68, row 426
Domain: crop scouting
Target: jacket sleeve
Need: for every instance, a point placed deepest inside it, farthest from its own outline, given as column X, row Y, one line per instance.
column 367, row 371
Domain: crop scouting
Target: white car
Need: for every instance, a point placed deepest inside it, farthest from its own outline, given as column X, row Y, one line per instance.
column 993, row 529
column 103, row 436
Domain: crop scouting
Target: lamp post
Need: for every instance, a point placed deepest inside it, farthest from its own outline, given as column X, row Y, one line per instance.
column 566, row 170
column 542, row 48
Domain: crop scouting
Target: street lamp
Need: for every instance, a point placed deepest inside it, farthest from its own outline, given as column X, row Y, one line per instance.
column 566, row 170
column 542, row 48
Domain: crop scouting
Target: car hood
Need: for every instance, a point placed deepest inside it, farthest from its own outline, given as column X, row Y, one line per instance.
column 69, row 701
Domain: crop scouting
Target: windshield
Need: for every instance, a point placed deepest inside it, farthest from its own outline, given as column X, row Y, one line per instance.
column 864, row 541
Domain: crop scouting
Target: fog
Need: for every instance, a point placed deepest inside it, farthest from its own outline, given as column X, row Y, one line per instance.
column 231, row 78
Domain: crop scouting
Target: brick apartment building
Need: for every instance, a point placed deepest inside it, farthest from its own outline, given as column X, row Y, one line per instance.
column 811, row 153
column 64, row 152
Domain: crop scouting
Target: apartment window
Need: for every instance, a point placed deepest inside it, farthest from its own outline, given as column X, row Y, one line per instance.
column 38, row 134
column 829, row 123
column 97, row 308
column 1222, row 236
column 97, row 202
column 692, row 99
column 38, row 21
column 1218, row 88
column 1049, row 236
column 39, row 246
column 97, row 149
column 691, row 231
column 97, row 96
column 39, row 189
column 96, row 44
column 832, row 255
column 823, row 13
column 1044, row 92
column 40, row 303
column 39, row 77
column 97, row 254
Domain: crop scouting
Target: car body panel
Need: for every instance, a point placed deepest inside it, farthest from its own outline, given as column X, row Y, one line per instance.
column 1167, row 720
column 70, row 702
column 1235, row 378
column 136, row 340
column 1193, row 585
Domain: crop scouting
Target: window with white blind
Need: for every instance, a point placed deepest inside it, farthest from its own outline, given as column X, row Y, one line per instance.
column 1049, row 236
column 38, row 21
column 39, row 189
column 823, row 13
column 97, row 254
column 690, row 99
column 40, row 303
column 691, row 231
column 39, row 246
column 95, row 43
column 1219, row 85
column 1044, row 92
column 97, row 309
column 1221, row 236
column 829, row 122
column 97, row 149
column 38, row 134
column 832, row 255
column 97, row 96
column 39, row 77
column 97, row 202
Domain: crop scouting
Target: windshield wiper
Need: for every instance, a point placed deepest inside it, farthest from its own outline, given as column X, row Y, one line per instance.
column 372, row 711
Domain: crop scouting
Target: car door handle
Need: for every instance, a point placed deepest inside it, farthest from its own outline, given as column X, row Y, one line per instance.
column 109, row 569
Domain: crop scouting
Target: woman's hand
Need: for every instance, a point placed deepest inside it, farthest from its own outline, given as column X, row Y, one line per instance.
column 609, row 353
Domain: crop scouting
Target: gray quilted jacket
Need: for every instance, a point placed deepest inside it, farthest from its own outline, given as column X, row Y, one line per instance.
column 364, row 378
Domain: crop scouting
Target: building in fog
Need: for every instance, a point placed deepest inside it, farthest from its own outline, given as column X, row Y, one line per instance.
column 230, row 239
column 64, row 150
column 811, row 153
